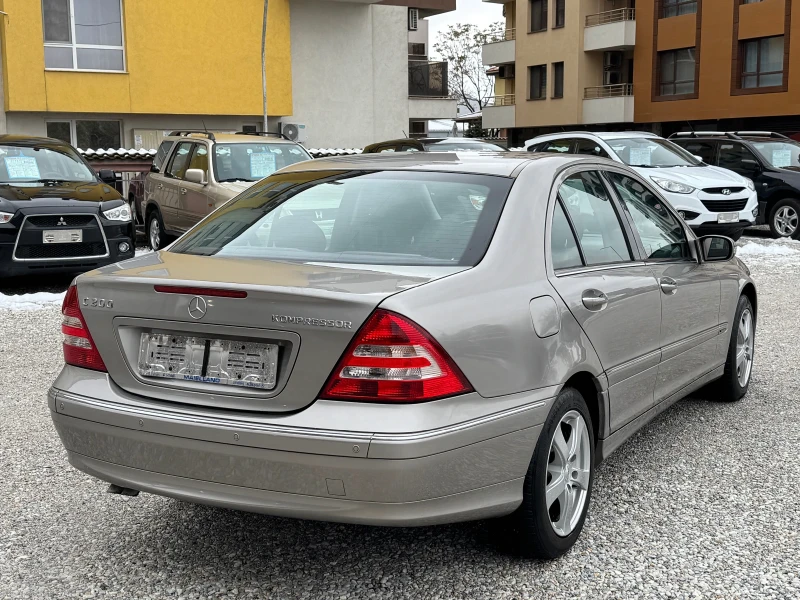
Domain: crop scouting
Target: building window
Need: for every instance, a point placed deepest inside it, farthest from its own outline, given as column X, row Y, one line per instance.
column 762, row 62
column 676, row 72
column 87, row 134
column 558, row 80
column 417, row 50
column 674, row 8
column 83, row 34
column 413, row 19
column 749, row 1
column 538, row 80
column 538, row 15
column 560, row 12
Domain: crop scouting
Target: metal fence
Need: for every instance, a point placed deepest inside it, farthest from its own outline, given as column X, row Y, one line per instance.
column 611, row 16
column 608, row 91
column 504, row 100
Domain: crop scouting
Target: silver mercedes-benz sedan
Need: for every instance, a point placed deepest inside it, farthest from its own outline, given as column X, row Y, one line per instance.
column 403, row 340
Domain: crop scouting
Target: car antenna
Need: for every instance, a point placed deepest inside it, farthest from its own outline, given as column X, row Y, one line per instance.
column 689, row 123
column 405, row 135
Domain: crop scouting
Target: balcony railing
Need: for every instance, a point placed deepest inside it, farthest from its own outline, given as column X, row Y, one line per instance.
column 504, row 100
column 427, row 79
column 608, row 91
column 611, row 16
column 506, row 36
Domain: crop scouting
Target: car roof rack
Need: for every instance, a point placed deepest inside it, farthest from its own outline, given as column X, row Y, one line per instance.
column 698, row 134
column 185, row 132
column 264, row 134
column 771, row 134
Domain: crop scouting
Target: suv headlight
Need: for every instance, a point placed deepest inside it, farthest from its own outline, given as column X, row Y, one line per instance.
column 673, row 186
column 750, row 185
column 119, row 213
column 5, row 217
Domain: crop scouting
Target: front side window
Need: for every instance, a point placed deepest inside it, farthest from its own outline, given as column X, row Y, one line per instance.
column 161, row 154
column 705, row 150
column 781, row 155
column 180, row 160
column 594, row 219
column 538, row 82
column 199, row 158
column 23, row 164
column 652, row 152
column 737, row 157
column 661, row 232
column 391, row 218
column 251, row 162
column 762, row 62
column 676, row 71
column 538, row 10
column 83, row 34
column 674, row 8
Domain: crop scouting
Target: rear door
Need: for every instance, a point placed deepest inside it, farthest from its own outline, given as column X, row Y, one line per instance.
column 611, row 293
column 690, row 289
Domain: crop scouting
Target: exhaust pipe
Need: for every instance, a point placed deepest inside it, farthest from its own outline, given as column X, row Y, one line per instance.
column 122, row 491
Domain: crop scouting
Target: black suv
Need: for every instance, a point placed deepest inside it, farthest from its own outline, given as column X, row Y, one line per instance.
column 770, row 159
column 56, row 214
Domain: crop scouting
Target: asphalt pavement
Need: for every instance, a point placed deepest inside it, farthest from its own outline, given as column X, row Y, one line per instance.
column 700, row 504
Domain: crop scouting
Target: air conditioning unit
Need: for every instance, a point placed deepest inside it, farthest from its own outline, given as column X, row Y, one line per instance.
column 297, row 132
column 612, row 60
column 413, row 19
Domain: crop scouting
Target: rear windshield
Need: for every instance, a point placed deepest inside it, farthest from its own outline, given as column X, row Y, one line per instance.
column 394, row 218
column 251, row 162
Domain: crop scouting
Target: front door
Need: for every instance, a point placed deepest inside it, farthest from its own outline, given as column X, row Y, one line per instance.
column 612, row 294
column 194, row 201
column 168, row 194
column 690, row 289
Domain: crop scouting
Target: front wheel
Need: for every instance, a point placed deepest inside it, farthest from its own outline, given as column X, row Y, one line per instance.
column 558, row 485
column 735, row 381
column 784, row 218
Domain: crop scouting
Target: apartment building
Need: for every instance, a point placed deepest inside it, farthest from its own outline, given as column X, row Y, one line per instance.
column 655, row 65
column 112, row 73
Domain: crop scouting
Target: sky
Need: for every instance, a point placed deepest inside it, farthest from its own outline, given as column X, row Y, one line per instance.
column 467, row 11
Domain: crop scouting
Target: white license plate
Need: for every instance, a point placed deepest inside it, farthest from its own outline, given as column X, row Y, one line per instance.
column 208, row 360
column 62, row 236
column 728, row 217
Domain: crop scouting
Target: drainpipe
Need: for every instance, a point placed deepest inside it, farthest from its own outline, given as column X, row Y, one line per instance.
column 264, row 63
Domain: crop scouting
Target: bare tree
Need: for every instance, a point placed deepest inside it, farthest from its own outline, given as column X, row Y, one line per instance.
column 460, row 45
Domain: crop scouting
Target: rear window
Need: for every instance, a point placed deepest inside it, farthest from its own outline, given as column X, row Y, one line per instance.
column 396, row 218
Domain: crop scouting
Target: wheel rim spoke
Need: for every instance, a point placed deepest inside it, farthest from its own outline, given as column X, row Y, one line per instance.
column 568, row 473
column 555, row 490
column 744, row 348
column 580, row 478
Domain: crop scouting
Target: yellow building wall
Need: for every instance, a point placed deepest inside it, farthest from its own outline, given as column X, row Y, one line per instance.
column 182, row 57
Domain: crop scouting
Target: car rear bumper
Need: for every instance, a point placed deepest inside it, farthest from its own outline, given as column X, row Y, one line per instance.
column 465, row 470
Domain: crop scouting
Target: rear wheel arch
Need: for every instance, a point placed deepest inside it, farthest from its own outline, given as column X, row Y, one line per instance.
column 590, row 388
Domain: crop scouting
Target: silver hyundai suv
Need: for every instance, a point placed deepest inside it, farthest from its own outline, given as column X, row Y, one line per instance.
column 195, row 172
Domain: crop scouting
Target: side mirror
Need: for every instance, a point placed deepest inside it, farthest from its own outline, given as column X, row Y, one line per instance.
column 195, row 176
column 107, row 176
column 717, row 248
column 700, row 158
column 750, row 165
column 154, row 168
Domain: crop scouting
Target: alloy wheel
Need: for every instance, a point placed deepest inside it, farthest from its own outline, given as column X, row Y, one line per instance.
column 744, row 347
column 568, row 473
column 786, row 220
column 155, row 234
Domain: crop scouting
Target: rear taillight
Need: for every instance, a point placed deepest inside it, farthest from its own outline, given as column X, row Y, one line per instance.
column 79, row 348
column 391, row 359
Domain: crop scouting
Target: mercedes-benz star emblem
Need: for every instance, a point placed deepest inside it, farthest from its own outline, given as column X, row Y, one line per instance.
column 197, row 308
column 726, row 192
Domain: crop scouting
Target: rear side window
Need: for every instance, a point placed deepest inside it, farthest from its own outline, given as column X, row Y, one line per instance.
column 589, row 147
column 563, row 247
column 594, row 219
column 556, row 147
column 395, row 218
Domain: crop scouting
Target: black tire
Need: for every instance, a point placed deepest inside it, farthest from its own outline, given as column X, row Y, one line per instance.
column 154, row 219
column 534, row 531
column 781, row 210
column 728, row 388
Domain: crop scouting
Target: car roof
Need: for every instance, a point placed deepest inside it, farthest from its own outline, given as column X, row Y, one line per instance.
column 602, row 135
column 503, row 164
column 232, row 138
column 29, row 140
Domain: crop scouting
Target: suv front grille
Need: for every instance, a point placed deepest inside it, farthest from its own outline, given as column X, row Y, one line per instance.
column 718, row 190
column 725, row 205
column 30, row 240
column 61, row 221
column 49, row 251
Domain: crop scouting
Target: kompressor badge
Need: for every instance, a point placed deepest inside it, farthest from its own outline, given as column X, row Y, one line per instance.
column 312, row 321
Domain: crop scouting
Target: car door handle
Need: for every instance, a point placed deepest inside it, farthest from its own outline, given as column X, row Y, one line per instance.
column 594, row 300
column 183, row 190
column 668, row 285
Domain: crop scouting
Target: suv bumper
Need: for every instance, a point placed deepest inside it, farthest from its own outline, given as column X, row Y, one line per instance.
column 708, row 218
column 460, row 471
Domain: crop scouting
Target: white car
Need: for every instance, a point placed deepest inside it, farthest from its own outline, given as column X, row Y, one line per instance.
column 710, row 199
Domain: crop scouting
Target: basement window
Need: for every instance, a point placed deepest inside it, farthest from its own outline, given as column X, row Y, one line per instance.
column 83, row 35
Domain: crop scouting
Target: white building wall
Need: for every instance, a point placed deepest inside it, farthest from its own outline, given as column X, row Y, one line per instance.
column 349, row 72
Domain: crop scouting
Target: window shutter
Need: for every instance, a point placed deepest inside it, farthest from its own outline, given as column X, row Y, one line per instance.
column 413, row 19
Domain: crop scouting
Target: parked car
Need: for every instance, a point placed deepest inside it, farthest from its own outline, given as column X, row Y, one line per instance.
column 195, row 172
column 710, row 199
column 460, row 325
column 56, row 214
column 433, row 145
column 770, row 159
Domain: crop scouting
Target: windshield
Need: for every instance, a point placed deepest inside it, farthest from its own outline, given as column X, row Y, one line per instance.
column 251, row 162
column 392, row 218
column 783, row 155
column 24, row 164
column 465, row 146
column 652, row 152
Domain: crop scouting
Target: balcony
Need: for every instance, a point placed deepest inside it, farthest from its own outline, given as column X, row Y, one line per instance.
column 428, row 93
column 608, row 104
column 501, row 114
column 501, row 50
column 610, row 30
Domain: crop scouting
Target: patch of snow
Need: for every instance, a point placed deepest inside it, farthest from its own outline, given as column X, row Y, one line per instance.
column 35, row 301
column 141, row 251
column 752, row 249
